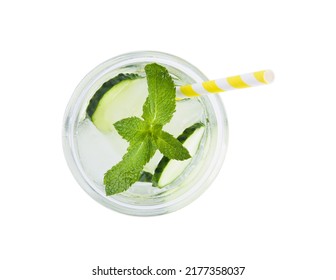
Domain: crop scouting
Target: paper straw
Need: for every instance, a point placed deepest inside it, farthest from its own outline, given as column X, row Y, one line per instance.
column 221, row 85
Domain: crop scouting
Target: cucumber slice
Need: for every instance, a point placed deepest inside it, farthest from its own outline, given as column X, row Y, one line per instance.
column 146, row 177
column 118, row 98
column 168, row 170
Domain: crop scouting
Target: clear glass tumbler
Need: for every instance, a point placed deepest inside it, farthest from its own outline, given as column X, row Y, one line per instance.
column 86, row 160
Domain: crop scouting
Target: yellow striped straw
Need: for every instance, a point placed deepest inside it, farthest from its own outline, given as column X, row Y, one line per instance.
column 221, row 85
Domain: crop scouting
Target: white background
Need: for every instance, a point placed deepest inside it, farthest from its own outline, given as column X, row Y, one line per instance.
column 272, row 208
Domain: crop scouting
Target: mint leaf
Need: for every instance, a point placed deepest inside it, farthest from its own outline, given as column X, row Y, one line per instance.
column 131, row 129
column 171, row 147
column 125, row 173
column 160, row 104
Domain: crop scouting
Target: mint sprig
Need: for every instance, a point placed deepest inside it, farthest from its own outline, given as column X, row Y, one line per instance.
column 146, row 135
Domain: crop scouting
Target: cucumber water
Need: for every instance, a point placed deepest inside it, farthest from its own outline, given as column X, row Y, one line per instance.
column 100, row 146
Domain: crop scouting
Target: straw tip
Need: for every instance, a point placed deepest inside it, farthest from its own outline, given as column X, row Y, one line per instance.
column 269, row 76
